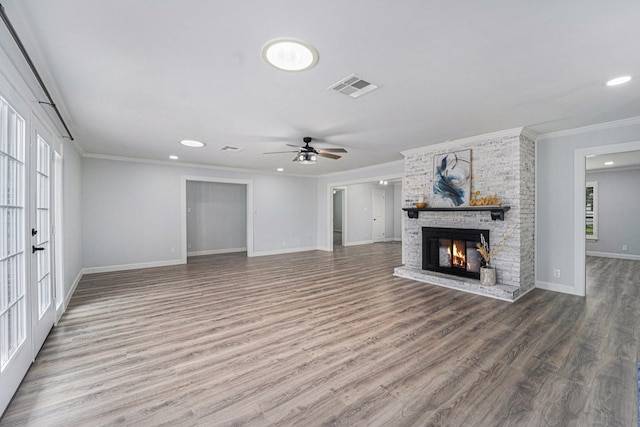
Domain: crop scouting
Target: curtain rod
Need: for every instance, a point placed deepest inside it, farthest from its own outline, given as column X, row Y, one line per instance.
column 27, row 58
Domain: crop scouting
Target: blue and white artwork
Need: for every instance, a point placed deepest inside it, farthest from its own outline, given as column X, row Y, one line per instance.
column 452, row 179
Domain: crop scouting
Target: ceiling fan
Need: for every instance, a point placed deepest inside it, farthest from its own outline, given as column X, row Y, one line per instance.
column 308, row 155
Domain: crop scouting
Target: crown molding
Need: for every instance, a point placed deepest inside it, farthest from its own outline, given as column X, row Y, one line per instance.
column 174, row 163
column 508, row 133
column 591, row 128
column 363, row 169
column 530, row 133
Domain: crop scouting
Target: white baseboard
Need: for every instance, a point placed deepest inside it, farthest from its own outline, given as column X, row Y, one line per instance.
column 67, row 297
column 216, row 251
column 614, row 255
column 286, row 251
column 361, row 242
column 123, row 267
column 558, row 287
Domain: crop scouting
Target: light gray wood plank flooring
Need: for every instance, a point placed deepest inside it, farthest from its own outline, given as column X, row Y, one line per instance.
column 320, row 338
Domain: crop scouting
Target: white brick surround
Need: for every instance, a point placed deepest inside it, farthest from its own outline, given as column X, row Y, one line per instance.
column 502, row 164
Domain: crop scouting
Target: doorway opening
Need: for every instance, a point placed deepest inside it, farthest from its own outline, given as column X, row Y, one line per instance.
column 216, row 216
column 357, row 204
column 581, row 157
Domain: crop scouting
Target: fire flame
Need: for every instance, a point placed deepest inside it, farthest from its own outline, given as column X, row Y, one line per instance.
column 459, row 258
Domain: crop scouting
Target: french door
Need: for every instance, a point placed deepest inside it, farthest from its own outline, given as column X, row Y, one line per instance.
column 27, row 310
column 41, row 282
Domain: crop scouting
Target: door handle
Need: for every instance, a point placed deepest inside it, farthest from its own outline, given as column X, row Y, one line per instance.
column 35, row 248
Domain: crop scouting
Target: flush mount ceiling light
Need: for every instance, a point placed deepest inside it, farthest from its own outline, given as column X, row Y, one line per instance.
column 280, row 169
column 608, row 163
column 618, row 81
column 173, row 157
column 290, row 55
column 192, row 143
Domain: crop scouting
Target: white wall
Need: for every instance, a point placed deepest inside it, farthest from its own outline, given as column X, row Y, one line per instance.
column 132, row 212
column 618, row 213
column 72, row 217
column 556, row 210
column 216, row 217
column 390, row 211
column 397, row 212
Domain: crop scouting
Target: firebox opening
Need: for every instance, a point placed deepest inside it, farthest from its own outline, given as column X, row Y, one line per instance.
column 452, row 251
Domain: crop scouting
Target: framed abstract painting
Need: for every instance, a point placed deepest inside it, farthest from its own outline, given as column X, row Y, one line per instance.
column 452, row 179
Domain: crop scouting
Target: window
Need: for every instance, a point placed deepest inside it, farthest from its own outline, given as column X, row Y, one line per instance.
column 13, row 309
column 592, row 210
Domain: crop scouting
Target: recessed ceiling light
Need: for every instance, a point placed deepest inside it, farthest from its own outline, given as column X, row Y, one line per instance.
column 290, row 55
column 173, row 157
column 192, row 143
column 280, row 170
column 618, row 81
column 608, row 163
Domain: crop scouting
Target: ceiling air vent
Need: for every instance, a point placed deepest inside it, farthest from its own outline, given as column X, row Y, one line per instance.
column 354, row 86
column 230, row 148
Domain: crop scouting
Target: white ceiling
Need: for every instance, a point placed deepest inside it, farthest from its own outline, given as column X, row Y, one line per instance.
column 134, row 77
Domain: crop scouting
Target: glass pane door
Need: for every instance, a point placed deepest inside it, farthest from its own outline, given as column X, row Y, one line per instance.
column 41, row 283
column 43, row 226
column 13, row 310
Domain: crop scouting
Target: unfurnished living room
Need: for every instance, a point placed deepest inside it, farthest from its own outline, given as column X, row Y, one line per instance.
column 351, row 213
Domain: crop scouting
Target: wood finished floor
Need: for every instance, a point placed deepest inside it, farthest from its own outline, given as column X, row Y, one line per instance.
column 321, row 338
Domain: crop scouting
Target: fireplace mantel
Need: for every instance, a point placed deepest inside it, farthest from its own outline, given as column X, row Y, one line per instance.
column 497, row 212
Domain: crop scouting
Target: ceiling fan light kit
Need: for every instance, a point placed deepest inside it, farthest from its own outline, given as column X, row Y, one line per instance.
column 307, row 155
column 306, row 158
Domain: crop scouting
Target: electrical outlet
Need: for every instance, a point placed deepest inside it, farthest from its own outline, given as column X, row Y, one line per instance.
column 189, row 246
column 556, row 273
column 625, row 247
column 173, row 250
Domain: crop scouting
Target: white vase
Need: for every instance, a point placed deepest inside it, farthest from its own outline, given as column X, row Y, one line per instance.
column 487, row 276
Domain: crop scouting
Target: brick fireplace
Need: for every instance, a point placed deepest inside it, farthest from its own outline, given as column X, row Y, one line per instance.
column 502, row 164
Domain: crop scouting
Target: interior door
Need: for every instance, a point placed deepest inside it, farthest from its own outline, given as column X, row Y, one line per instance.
column 43, row 307
column 378, row 215
column 16, row 344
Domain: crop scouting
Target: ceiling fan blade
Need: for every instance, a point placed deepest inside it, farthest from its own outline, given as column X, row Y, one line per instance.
column 328, row 156
column 295, row 159
column 279, row 152
column 297, row 146
column 332, row 150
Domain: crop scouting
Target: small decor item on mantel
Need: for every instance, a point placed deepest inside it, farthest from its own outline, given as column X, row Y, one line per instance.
column 421, row 203
column 484, row 201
